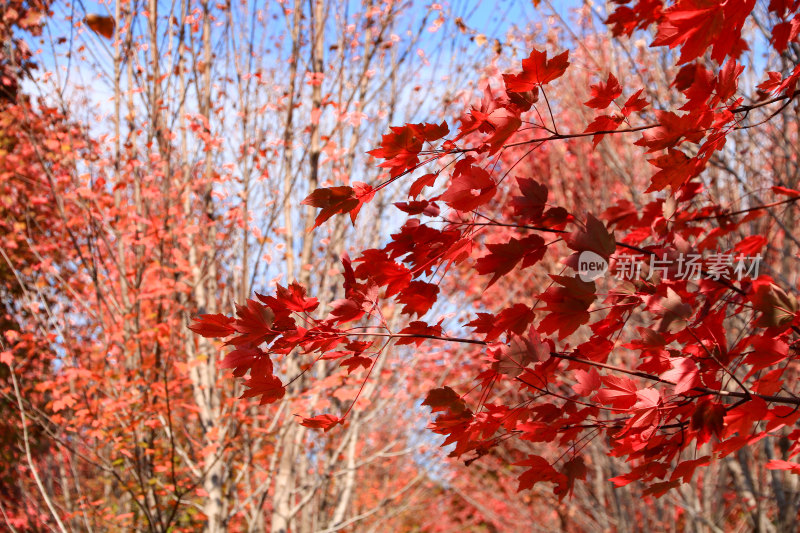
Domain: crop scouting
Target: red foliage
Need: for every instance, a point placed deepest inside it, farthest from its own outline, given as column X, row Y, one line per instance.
column 684, row 386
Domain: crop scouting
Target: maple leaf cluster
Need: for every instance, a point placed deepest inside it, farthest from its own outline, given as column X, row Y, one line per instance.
column 568, row 350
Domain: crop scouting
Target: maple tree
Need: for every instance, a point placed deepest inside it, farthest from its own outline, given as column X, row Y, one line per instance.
column 118, row 227
column 25, row 215
column 711, row 365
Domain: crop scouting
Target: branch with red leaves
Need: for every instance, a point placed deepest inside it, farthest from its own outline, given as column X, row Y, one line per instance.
column 568, row 358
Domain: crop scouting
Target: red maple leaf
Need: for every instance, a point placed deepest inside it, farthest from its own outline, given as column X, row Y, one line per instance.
column 414, row 333
column 659, row 489
column 429, row 132
column 213, row 325
column 537, row 70
column 346, row 310
column 503, row 257
column 645, row 471
column 423, row 207
column 400, row 149
column 521, row 351
column 531, row 204
column 254, row 324
column 708, row 419
column 675, row 128
column 727, row 79
column 418, row 297
column 676, row 168
column 601, row 125
column 627, row 19
column 697, row 83
column 691, row 23
column 769, row 383
column 604, row 93
column 470, row 188
column 741, row 418
column 777, row 189
column 243, row 358
column 514, row 319
column 339, row 200
column 646, row 415
column 325, row 422
column 777, row 307
column 685, row 469
column 376, row 265
column 268, row 387
column 567, row 305
column 766, row 352
column 573, row 470
column 587, row 383
column 620, row 392
column 539, row 469
column 780, row 464
column 356, row 362
column 594, row 237
column 444, row 399
column 291, row 298
column 420, row 183
column 504, row 124
column 634, row 103
column 684, row 374
column 697, row 24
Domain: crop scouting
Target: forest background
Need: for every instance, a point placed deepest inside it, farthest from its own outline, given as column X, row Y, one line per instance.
column 176, row 172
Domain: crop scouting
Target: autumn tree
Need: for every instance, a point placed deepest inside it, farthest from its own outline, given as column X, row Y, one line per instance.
column 28, row 327
column 143, row 212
